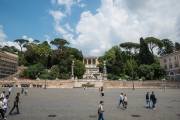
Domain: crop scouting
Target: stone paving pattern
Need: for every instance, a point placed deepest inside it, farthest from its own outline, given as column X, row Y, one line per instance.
column 79, row 104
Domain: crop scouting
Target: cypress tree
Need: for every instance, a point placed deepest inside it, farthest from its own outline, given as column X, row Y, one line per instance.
column 145, row 56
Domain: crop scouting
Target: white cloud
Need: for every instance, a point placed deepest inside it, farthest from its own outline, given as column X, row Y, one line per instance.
column 58, row 15
column 3, row 36
column 47, row 38
column 53, row 1
column 26, row 38
column 68, row 27
column 118, row 21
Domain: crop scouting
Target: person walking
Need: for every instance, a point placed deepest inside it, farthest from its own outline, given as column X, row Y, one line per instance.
column 22, row 91
column 125, row 101
column 101, row 111
column 147, row 100
column 2, row 94
column 1, row 108
column 121, row 100
column 102, row 93
column 5, row 105
column 9, row 90
column 16, row 101
column 153, row 99
column 26, row 90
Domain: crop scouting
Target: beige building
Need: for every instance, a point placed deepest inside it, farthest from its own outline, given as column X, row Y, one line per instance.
column 171, row 64
column 92, row 71
column 8, row 64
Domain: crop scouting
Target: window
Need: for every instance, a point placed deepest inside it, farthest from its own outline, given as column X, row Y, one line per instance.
column 164, row 60
column 170, row 66
column 176, row 65
column 165, row 67
column 169, row 59
column 174, row 57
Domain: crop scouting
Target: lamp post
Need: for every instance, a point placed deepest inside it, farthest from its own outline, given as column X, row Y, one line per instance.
column 72, row 70
column 46, row 70
column 132, row 72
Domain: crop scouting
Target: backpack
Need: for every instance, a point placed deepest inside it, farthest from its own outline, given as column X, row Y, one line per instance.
column 155, row 99
column 99, row 111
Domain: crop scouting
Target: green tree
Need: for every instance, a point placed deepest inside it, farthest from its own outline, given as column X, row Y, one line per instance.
column 145, row 56
column 145, row 71
column 154, row 42
column 59, row 43
column 131, row 67
column 128, row 46
column 118, row 66
column 55, row 70
column 168, row 47
column 21, row 42
column 10, row 49
column 79, row 69
column 177, row 46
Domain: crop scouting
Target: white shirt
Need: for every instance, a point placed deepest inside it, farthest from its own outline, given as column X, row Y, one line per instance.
column 26, row 90
column 2, row 95
column 101, row 107
column 9, row 89
column 5, row 103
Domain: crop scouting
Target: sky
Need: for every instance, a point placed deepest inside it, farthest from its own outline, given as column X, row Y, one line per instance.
column 92, row 26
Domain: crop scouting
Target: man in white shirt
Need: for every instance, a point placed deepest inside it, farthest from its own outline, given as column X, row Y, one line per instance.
column 101, row 110
column 9, row 90
column 2, row 94
column 5, row 103
column 121, row 100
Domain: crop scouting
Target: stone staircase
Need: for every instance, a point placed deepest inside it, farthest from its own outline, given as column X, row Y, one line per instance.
column 11, row 77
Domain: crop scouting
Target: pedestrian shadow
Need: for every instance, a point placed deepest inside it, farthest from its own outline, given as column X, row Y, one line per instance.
column 14, row 113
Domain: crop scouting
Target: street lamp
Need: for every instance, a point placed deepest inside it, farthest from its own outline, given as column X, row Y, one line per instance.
column 47, row 55
column 132, row 71
column 72, row 70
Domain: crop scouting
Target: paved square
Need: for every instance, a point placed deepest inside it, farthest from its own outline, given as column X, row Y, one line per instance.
column 79, row 104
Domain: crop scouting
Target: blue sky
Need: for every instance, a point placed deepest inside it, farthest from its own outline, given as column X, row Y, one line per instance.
column 92, row 26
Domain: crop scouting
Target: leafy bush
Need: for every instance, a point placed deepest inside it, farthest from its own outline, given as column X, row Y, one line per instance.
column 143, row 78
column 64, row 76
column 24, row 73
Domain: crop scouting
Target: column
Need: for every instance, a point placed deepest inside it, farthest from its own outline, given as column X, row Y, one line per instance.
column 87, row 61
column 91, row 61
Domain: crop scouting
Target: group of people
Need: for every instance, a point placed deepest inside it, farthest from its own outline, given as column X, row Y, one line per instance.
column 4, row 100
column 123, row 101
column 151, row 98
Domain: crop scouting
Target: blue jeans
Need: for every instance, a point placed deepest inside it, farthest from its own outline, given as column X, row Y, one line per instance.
column 101, row 117
column 147, row 103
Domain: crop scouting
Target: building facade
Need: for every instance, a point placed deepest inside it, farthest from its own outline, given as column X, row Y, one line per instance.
column 8, row 64
column 171, row 64
column 92, row 71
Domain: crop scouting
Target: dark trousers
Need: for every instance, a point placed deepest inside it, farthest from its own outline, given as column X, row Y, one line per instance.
column 9, row 93
column 2, row 113
column 121, row 101
column 153, row 105
column 16, row 108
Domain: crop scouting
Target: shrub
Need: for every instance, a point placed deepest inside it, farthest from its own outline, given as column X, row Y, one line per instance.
column 143, row 78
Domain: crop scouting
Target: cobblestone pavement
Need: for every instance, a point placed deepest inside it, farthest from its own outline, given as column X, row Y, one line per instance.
column 79, row 104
